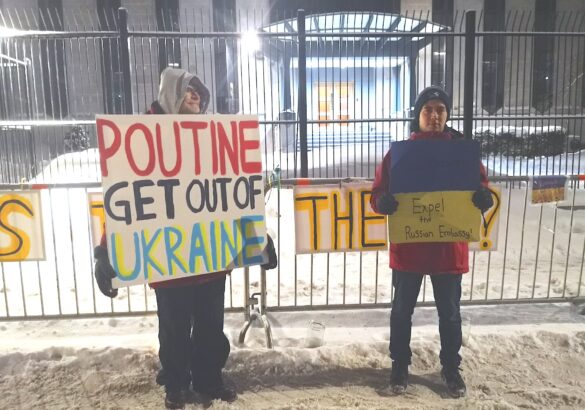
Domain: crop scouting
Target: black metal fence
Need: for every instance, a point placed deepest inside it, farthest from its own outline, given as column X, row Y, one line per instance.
column 331, row 90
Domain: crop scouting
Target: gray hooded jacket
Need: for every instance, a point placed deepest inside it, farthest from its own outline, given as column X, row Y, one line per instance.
column 173, row 86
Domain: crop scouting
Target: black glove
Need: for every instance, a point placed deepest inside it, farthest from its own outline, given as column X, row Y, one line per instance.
column 104, row 272
column 387, row 204
column 272, row 258
column 482, row 199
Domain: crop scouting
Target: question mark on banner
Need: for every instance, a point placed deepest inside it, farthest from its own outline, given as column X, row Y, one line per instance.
column 489, row 218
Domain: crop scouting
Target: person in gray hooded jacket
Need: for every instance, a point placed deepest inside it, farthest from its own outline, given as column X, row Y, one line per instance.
column 193, row 348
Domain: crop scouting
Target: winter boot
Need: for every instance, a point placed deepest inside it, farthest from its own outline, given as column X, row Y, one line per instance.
column 222, row 393
column 161, row 378
column 399, row 378
column 175, row 400
column 454, row 381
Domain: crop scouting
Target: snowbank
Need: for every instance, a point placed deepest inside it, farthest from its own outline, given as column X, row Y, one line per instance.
column 517, row 356
column 519, row 131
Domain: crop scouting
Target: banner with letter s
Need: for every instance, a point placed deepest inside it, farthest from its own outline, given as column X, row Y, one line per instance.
column 21, row 226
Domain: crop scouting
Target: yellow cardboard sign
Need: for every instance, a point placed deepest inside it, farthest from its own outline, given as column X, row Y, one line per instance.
column 441, row 216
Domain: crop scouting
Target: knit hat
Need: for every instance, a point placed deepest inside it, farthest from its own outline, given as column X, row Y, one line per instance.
column 430, row 93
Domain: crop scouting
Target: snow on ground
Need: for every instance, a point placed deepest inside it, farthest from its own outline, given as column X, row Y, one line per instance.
column 515, row 356
column 524, row 131
column 572, row 163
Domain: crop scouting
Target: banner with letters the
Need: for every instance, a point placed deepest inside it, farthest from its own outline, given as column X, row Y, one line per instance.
column 336, row 218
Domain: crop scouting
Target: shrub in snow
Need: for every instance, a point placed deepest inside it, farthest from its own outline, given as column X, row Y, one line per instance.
column 526, row 141
column 77, row 139
column 575, row 143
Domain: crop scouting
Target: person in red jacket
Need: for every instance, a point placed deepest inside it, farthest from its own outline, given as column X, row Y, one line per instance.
column 193, row 348
column 444, row 262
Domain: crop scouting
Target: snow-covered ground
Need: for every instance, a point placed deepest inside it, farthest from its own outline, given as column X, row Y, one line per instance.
column 515, row 356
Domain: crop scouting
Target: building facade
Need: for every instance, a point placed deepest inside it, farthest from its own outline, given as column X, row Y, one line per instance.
column 347, row 78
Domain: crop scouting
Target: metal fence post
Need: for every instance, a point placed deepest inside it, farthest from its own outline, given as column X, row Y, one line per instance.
column 125, row 58
column 253, row 313
column 468, row 82
column 302, row 110
column 29, row 81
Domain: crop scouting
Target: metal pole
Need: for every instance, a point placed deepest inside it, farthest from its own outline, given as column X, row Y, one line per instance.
column 125, row 58
column 302, row 110
column 247, row 294
column 263, row 303
column 31, row 116
column 469, row 74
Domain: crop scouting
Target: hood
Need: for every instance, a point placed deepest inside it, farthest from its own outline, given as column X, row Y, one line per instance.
column 173, row 85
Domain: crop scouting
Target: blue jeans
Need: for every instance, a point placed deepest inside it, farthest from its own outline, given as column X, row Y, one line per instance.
column 447, row 291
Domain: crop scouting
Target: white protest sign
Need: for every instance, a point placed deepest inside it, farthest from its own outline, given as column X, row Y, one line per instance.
column 183, row 194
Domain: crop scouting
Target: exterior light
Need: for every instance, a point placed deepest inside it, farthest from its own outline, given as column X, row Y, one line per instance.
column 250, row 42
column 8, row 32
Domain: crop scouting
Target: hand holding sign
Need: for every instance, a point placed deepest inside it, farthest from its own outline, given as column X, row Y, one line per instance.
column 271, row 252
column 104, row 273
column 387, row 204
column 482, row 199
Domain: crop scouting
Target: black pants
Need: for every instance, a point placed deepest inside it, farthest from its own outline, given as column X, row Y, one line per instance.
column 447, row 291
column 193, row 347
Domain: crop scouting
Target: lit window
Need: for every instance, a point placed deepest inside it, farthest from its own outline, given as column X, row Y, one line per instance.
column 543, row 63
column 494, row 51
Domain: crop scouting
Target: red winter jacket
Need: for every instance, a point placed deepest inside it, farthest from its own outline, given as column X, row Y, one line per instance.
column 427, row 257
